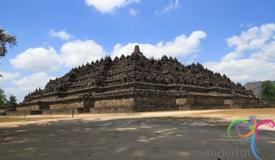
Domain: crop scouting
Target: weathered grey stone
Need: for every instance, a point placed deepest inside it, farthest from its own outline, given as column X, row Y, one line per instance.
column 135, row 83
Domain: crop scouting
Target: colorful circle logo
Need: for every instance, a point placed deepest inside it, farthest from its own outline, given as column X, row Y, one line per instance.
column 251, row 128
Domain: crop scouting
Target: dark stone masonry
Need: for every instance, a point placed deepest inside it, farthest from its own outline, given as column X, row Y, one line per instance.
column 134, row 84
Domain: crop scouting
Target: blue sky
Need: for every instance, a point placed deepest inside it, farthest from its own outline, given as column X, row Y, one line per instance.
column 228, row 36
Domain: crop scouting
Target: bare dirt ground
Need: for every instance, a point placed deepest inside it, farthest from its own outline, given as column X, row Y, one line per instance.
column 183, row 135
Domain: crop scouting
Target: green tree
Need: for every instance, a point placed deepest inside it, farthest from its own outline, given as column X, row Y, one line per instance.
column 5, row 38
column 11, row 103
column 268, row 90
column 3, row 100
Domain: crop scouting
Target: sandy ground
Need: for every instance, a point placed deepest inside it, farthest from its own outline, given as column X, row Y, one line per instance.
column 184, row 135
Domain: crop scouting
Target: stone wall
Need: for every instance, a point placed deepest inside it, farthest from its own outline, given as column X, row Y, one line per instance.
column 222, row 102
column 155, row 103
column 60, row 111
column 123, row 102
column 27, row 108
column 111, row 109
column 245, row 102
column 199, row 102
column 266, row 103
column 66, row 105
column 163, row 103
column 113, row 105
column 139, row 104
column 16, row 113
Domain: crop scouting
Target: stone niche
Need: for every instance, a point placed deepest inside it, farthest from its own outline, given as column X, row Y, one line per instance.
column 184, row 103
column 229, row 102
column 181, row 101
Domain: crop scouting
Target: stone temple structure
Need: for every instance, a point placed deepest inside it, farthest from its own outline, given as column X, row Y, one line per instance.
column 135, row 83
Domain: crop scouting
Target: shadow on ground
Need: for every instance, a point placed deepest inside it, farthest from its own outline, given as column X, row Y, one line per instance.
column 126, row 139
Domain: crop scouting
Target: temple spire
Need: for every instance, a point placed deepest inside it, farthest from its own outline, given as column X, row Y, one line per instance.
column 136, row 49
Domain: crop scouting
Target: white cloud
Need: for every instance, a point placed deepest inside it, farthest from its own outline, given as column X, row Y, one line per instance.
column 27, row 84
column 253, row 58
column 133, row 12
column 107, row 6
column 181, row 46
column 246, row 25
column 174, row 4
column 63, row 35
column 7, row 77
column 71, row 54
column 80, row 52
column 37, row 59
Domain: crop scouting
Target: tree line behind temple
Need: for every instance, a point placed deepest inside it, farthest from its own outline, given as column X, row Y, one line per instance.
column 268, row 90
column 6, row 39
column 5, row 102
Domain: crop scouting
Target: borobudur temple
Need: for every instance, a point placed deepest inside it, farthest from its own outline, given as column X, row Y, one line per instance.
column 135, row 83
